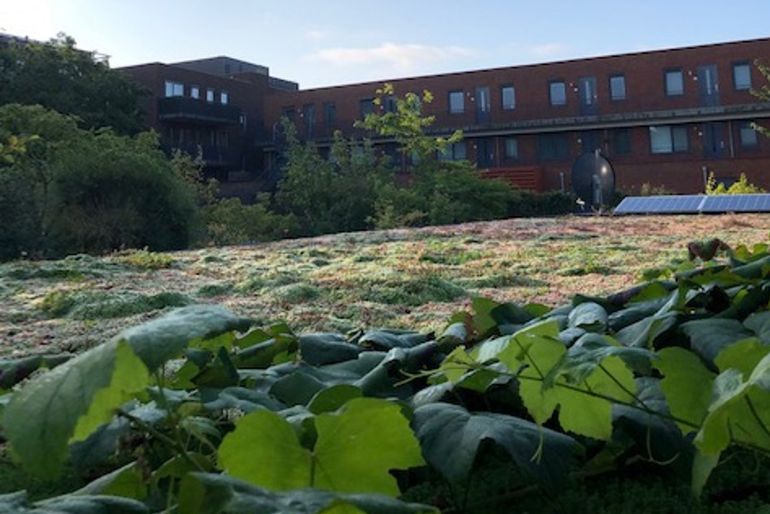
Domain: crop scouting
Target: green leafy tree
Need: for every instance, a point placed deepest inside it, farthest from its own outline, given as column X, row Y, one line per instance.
column 330, row 195
column 58, row 76
column 441, row 191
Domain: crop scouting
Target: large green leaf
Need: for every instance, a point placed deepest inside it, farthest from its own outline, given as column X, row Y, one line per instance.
column 687, row 386
column 164, row 338
column 710, row 336
column 18, row 503
column 354, row 450
column 69, row 402
column 589, row 316
column 203, row 493
column 450, row 437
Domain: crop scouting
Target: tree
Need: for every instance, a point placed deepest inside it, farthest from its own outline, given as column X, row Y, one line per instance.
column 441, row 191
column 73, row 190
column 60, row 77
column 763, row 92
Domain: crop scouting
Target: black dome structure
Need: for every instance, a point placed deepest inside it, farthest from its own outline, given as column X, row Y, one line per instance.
column 593, row 179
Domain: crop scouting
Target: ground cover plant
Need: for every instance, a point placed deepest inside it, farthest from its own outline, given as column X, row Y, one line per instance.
column 653, row 398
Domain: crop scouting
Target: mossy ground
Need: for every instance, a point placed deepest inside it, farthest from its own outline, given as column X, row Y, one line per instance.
column 399, row 278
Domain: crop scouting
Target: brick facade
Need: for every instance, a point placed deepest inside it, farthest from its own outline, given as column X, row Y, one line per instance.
column 648, row 135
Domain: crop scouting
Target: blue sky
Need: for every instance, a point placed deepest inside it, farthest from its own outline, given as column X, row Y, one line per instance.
column 331, row 42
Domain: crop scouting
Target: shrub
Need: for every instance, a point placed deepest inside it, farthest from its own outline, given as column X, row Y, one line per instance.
column 530, row 204
column 648, row 189
column 230, row 222
column 741, row 187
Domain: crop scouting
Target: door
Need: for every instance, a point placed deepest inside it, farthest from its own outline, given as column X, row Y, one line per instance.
column 588, row 96
column 485, row 152
column 483, row 105
column 714, row 144
column 708, row 85
column 590, row 141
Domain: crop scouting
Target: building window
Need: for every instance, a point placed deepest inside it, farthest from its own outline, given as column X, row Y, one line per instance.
column 453, row 152
column 748, row 135
column 618, row 87
column 667, row 139
column 288, row 113
column 330, row 114
column 742, row 76
column 552, row 147
column 224, row 97
column 308, row 113
column 210, row 95
column 195, row 92
column 674, row 83
column 621, row 141
column 366, row 106
column 174, row 88
column 389, row 104
column 558, row 92
column 508, row 95
column 456, row 102
column 511, row 148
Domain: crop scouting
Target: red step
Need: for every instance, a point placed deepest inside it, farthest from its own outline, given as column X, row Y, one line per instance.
column 521, row 177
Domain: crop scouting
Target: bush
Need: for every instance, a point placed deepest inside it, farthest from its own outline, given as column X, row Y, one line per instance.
column 531, row 204
column 230, row 222
column 741, row 187
column 648, row 189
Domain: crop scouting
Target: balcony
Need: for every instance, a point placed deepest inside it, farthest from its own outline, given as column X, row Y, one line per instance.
column 213, row 156
column 181, row 108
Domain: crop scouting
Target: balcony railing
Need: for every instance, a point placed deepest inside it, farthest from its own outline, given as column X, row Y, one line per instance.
column 212, row 155
column 180, row 108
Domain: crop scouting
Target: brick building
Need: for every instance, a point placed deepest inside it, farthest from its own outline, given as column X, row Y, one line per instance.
column 661, row 117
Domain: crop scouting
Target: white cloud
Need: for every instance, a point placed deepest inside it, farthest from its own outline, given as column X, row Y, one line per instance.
column 398, row 57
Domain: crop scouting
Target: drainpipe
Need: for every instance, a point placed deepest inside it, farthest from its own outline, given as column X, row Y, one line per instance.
column 732, row 142
column 561, row 180
column 705, row 170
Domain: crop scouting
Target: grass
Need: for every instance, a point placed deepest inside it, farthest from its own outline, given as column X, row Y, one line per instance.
column 400, row 278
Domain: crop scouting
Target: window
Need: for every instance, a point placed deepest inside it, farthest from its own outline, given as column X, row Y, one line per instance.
column 224, row 97
column 308, row 113
column 511, row 148
column 674, row 83
column 195, row 92
column 210, row 95
column 288, row 113
column 456, row 102
column 666, row 139
column 552, row 147
column 330, row 114
column 174, row 88
column 621, row 141
column 558, row 92
column 508, row 94
column 748, row 135
column 366, row 106
column 742, row 76
column 618, row 87
column 389, row 103
column 453, row 152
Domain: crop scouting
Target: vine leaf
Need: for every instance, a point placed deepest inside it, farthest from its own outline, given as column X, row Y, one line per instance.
column 72, row 400
column 68, row 403
column 686, row 385
column 450, row 437
column 355, row 449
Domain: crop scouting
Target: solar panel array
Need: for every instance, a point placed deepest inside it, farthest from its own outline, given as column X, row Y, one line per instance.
column 684, row 204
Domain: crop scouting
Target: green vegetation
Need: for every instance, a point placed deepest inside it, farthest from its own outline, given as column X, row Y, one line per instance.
column 59, row 77
column 741, row 187
column 654, row 398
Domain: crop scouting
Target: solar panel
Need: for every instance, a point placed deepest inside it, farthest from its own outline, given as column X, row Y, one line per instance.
column 683, row 204
column 737, row 203
column 673, row 204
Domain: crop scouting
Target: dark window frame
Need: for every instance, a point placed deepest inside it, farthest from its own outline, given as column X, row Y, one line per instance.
column 551, row 83
column 622, row 145
column 671, row 129
column 330, row 114
column 613, row 98
column 735, row 64
column 506, row 156
column 449, row 101
column 502, row 97
column 665, row 82
column 362, row 111
column 740, row 127
column 556, row 141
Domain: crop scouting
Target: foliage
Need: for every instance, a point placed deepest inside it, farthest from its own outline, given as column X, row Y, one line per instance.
column 439, row 192
column 525, row 203
column 62, row 78
column 228, row 221
column 77, row 191
column 669, row 377
column 329, row 195
column 741, row 187
column 649, row 189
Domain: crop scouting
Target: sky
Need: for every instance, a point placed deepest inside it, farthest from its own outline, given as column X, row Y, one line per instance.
column 331, row 42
